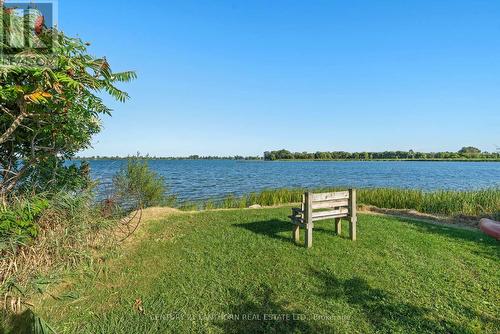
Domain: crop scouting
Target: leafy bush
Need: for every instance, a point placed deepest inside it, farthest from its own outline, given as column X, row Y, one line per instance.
column 51, row 106
column 20, row 219
column 53, row 175
column 137, row 184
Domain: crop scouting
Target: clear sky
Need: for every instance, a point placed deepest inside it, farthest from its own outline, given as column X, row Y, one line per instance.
column 241, row 77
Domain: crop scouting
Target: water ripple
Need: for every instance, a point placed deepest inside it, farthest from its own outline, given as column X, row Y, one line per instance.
column 201, row 179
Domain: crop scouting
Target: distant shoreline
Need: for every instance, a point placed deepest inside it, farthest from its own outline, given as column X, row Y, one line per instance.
column 465, row 154
column 401, row 160
column 290, row 160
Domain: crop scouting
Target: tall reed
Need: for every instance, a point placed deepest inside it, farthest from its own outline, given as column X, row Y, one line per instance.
column 475, row 203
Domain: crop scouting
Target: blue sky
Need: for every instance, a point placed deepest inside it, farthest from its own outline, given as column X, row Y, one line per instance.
column 241, row 77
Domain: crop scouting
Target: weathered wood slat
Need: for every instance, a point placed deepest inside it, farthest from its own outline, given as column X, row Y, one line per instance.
column 338, row 226
column 319, row 214
column 308, row 212
column 296, row 233
column 353, row 217
column 334, row 203
column 341, row 215
column 330, row 196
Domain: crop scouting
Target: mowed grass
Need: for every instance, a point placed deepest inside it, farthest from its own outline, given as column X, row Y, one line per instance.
column 236, row 271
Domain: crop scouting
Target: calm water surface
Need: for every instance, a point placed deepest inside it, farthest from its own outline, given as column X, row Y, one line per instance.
column 202, row 179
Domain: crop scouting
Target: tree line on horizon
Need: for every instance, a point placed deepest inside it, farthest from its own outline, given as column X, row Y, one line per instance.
column 190, row 157
column 465, row 153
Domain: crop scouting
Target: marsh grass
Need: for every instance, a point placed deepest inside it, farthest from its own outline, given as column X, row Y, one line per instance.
column 69, row 232
column 474, row 203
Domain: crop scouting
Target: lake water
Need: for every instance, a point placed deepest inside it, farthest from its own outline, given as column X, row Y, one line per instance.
column 202, row 179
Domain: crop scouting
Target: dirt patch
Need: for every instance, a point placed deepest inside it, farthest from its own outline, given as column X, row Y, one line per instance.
column 146, row 216
column 155, row 213
column 470, row 223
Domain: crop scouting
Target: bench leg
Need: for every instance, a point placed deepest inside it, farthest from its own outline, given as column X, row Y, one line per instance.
column 296, row 233
column 309, row 236
column 338, row 226
column 352, row 228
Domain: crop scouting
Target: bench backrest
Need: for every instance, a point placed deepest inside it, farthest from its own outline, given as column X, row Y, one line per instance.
column 330, row 200
column 329, row 205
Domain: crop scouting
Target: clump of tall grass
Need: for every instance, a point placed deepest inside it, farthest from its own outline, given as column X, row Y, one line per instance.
column 67, row 231
column 474, row 203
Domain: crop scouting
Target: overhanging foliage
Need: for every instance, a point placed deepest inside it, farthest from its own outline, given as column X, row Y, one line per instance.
column 49, row 106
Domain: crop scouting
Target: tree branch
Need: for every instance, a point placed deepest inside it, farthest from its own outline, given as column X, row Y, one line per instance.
column 24, row 113
column 9, row 184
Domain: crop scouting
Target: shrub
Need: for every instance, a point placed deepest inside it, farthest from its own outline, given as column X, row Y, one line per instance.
column 20, row 219
column 137, row 184
column 51, row 106
column 54, row 175
column 67, row 226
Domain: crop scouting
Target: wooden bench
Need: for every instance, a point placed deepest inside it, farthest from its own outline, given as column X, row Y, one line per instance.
column 336, row 205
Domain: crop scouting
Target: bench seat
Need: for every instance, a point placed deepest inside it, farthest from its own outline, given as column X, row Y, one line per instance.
column 322, row 206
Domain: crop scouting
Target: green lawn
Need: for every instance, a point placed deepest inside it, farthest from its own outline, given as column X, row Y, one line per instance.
column 237, row 271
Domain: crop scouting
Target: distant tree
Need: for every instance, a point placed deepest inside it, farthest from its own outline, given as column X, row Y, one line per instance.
column 391, row 155
column 468, row 150
column 284, row 155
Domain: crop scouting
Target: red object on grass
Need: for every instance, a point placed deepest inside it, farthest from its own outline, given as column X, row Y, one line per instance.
column 490, row 227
